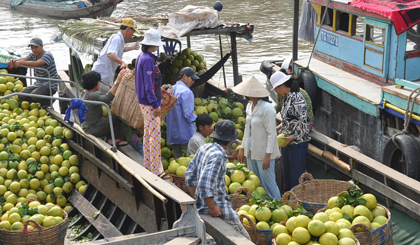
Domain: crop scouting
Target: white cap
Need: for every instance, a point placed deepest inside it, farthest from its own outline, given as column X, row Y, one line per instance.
column 152, row 38
column 278, row 78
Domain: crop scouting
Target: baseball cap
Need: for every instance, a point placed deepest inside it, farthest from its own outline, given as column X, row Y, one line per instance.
column 189, row 72
column 278, row 78
column 36, row 41
column 130, row 23
column 225, row 130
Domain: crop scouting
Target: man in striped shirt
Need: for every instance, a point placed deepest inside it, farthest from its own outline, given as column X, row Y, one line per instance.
column 205, row 177
column 39, row 58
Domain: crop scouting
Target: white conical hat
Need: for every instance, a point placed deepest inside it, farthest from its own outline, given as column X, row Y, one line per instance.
column 251, row 88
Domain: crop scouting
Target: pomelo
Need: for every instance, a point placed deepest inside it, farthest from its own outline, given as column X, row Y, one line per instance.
column 328, row 239
column 316, row 228
column 301, row 235
column 283, row 239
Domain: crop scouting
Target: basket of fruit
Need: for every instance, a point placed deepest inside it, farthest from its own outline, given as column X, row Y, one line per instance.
column 362, row 215
column 48, row 229
column 258, row 236
column 238, row 199
column 314, row 194
column 378, row 231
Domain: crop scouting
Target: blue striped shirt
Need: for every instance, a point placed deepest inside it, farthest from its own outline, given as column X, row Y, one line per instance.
column 207, row 172
column 49, row 65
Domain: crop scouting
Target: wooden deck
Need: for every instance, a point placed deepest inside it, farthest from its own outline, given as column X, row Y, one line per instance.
column 352, row 89
column 399, row 96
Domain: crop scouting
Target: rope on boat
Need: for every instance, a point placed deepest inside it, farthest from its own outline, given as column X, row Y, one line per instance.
column 407, row 116
column 117, row 158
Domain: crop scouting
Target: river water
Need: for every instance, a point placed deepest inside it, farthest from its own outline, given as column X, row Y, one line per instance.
column 273, row 22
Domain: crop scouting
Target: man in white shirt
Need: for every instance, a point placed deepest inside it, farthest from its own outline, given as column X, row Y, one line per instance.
column 204, row 125
column 112, row 52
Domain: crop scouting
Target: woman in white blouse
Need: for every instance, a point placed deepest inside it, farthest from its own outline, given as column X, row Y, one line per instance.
column 294, row 125
column 259, row 144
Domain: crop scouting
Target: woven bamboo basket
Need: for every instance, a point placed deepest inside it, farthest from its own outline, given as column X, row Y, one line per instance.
column 313, row 194
column 126, row 107
column 258, row 236
column 180, row 183
column 290, row 199
column 237, row 200
column 379, row 236
column 53, row 235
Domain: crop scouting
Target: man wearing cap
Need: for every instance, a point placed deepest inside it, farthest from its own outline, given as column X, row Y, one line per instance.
column 41, row 59
column 205, row 176
column 112, row 52
column 180, row 120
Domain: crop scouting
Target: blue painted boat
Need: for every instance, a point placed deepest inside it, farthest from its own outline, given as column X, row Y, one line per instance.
column 363, row 78
column 365, row 66
column 63, row 9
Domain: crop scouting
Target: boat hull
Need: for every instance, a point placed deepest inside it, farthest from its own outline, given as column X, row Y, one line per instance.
column 57, row 11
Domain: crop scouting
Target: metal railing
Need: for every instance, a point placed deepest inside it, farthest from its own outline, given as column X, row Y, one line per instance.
column 113, row 148
column 43, row 78
column 31, row 68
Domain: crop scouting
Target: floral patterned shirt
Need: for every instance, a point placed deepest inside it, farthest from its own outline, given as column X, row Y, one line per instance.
column 294, row 116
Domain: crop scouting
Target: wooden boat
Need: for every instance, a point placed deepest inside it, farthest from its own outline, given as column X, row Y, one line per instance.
column 134, row 205
column 64, row 10
column 363, row 80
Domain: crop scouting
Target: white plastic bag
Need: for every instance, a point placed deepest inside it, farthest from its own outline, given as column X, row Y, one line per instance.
column 193, row 17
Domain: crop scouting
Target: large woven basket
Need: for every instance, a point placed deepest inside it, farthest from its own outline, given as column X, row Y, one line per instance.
column 379, row 236
column 290, row 199
column 237, row 200
column 53, row 235
column 126, row 107
column 258, row 236
column 313, row 194
column 180, row 183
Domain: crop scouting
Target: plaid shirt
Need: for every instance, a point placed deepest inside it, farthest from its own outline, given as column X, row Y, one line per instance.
column 207, row 172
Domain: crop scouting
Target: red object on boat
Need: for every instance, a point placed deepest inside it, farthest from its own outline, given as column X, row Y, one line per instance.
column 248, row 27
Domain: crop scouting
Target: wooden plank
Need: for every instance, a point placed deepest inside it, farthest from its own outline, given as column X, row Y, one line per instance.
column 386, row 191
column 101, row 223
column 147, row 239
column 127, row 202
column 380, row 168
column 222, row 232
column 104, row 167
column 184, row 241
column 172, row 191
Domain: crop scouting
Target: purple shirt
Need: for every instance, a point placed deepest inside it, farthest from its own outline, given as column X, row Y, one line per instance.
column 144, row 77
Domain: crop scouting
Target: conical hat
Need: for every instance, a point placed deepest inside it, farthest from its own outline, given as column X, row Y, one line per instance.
column 251, row 88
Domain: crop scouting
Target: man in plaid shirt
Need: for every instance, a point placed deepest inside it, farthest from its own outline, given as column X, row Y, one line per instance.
column 205, row 176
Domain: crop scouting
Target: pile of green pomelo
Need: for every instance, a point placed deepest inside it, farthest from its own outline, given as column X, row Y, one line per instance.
column 329, row 226
column 188, row 58
column 38, row 170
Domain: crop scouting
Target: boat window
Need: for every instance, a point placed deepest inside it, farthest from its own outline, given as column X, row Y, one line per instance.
column 328, row 21
column 375, row 35
column 360, row 26
column 413, row 39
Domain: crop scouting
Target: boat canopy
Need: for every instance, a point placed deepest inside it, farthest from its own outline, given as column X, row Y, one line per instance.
column 404, row 14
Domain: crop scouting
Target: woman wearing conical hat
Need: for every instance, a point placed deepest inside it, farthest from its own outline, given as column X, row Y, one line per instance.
column 259, row 144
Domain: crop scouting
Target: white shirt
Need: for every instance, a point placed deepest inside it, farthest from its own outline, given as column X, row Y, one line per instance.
column 263, row 131
column 195, row 142
column 104, row 65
